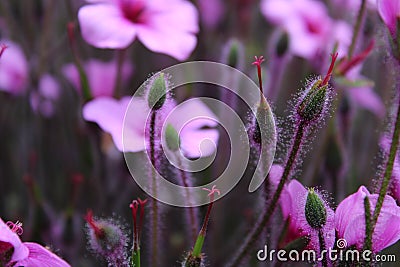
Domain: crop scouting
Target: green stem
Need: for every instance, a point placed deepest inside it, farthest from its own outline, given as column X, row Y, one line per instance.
column 135, row 260
column 357, row 28
column 267, row 213
column 190, row 210
column 322, row 247
column 389, row 169
column 368, row 232
column 154, row 221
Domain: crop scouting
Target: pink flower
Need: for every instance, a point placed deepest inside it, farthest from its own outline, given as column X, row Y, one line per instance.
column 13, row 69
column 44, row 99
column 350, row 220
column 293, row 203
column 389, row 10
column 167, row 27
column 109, row 114
column 308, row 25
column 15, row 253
column 101, row 76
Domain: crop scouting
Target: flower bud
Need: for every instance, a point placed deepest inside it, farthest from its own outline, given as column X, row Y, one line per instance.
column 106, row 239
column 312, row 105
column 315, row 210
column 262, row 121
column 157, row 93
column 172, row 138
column 233, row 54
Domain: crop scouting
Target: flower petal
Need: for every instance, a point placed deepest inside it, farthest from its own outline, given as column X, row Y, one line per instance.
column 170, row 29
column 104, row 26
column 8, row 236
column 40, row 256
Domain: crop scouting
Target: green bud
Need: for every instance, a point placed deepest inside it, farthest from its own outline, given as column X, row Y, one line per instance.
column 233, row 56
column 313, row 103
column 315, row 210
column 262, row 121
column 172, row 138
column 233, row 53
column 157, row 92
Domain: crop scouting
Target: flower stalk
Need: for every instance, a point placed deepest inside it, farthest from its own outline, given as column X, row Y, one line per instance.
column 194, row 259
column 389, row 169
column 310, row 109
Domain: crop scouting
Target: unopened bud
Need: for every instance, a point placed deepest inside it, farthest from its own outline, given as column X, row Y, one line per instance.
column 172, row 138
column 315, row 210
column 157, row 93
column 233, row 54
column 106, row 239
column 313, row 104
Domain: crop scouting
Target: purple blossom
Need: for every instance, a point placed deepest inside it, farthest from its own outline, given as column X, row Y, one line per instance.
column 350, row 220
column 15, row 253
column 13, row 69
column 308, row 25
column 101, row 76
column 211, row 12
column 44, row 99
column 163, row 27
column 109, row 114
column 293, row 202
column 389, row 10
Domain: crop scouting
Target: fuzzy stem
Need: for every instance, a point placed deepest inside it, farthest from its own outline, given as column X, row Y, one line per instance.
column 321, row 241
column 190, row 210
column 357, row 28
column 155, row 208
column 267, row 213
column 368, row 232
column 389, row 169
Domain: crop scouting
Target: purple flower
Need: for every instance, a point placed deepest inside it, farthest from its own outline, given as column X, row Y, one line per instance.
column 211, row 12
column 350, row 220
column 109, row 114
column 101, row 76
column 308, row 25
column 293, row 204
column 13, row 69
column 389, row 10
column 167, row 27
column 44, row 99
column 15, row 253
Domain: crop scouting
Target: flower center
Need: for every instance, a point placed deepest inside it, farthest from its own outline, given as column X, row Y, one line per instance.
column 6, row 252
column 133, row 10
column 16, row 227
